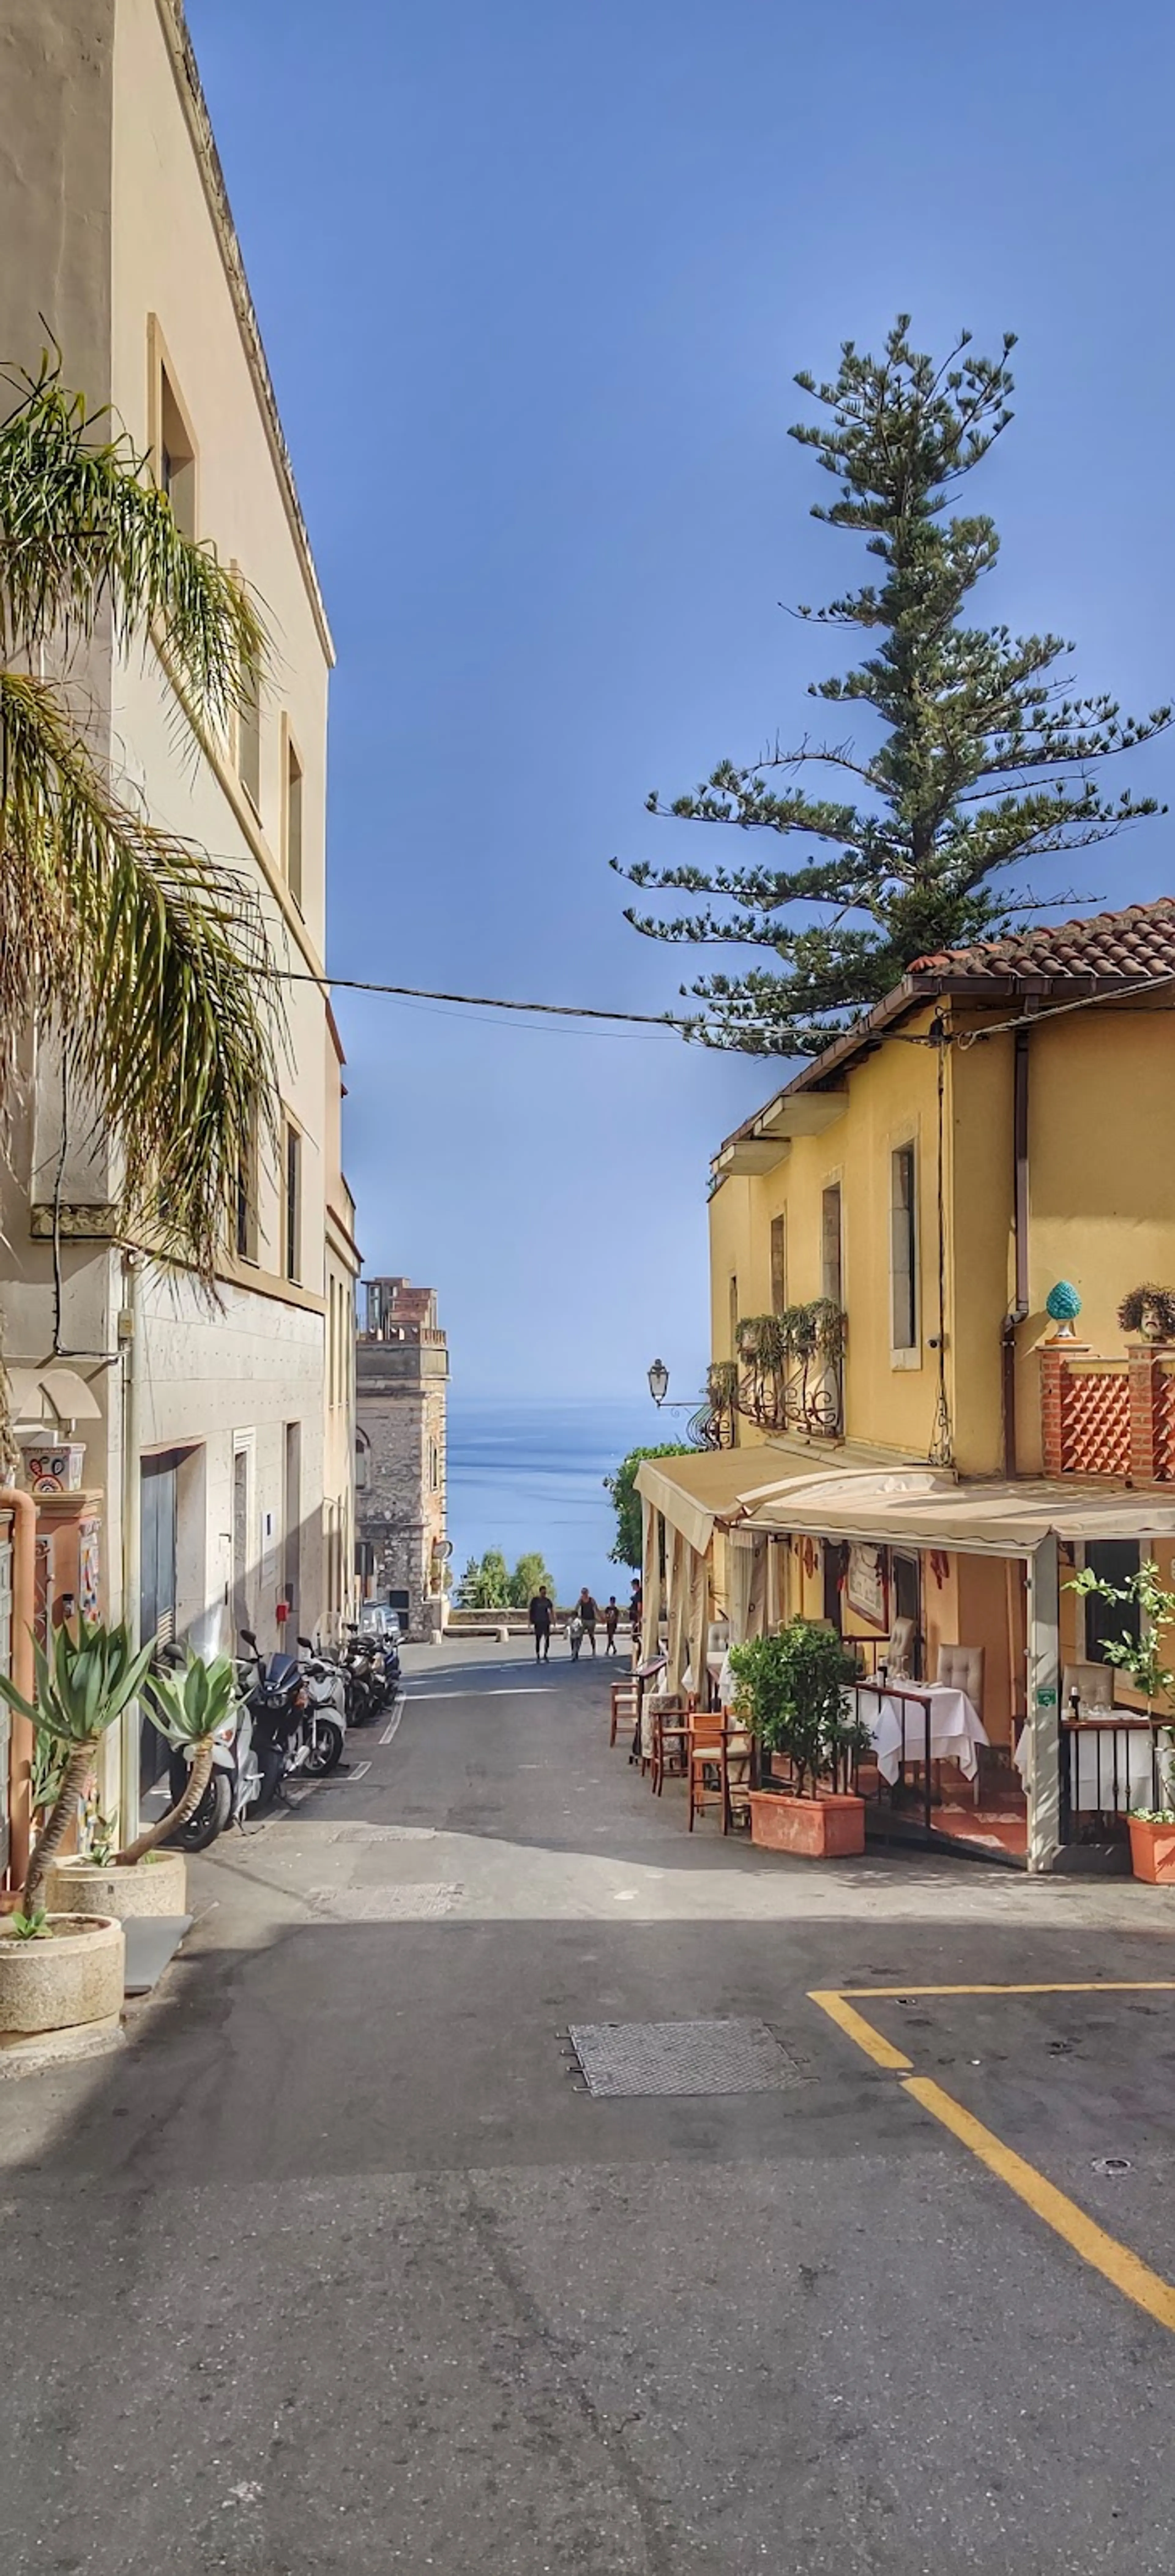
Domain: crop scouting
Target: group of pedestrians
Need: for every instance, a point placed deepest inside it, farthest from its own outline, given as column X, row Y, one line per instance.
column 584, row 1620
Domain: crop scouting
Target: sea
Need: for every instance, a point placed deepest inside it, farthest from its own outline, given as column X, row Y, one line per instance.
column 527, row 1473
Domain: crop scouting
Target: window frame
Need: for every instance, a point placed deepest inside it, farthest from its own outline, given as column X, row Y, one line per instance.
column 292, row 1208
column 247, row 1225
column 778, row 1249
column 905, row 1354
column 247, row 733
column 164, row 392
column 832, row 1188
column 293, row 765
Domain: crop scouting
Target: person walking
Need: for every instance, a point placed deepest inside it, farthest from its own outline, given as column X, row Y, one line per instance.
column 587, row 1614
column 611, row 1623
column 542, row 1611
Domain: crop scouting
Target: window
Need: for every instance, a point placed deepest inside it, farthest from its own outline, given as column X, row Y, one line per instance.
column 903, row 1250
column 778, row 1264
column 434, row 1467
column 246, row 1208
column 1115, row 1559
column 293, row 823
column 831, row 1280
column 249, row 734
column 734, row 1317
column 292, row 1202
column 175, row 449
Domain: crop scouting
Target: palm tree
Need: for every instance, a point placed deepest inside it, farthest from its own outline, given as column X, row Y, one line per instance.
column 147, row 958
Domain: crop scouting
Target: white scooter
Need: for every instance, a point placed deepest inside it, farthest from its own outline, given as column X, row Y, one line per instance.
column 325, row 1692
column 240, row 1782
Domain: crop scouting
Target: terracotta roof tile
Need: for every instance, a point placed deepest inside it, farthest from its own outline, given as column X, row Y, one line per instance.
column 1116, row 947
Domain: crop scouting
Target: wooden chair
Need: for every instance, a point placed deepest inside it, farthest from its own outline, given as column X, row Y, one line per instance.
column 625, row 1704
column 706, row 1763
column 672, row 1728
column 719, row 1770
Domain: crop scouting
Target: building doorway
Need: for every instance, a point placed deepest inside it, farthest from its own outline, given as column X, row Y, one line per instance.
column 159, row 1503
column 906, row 1585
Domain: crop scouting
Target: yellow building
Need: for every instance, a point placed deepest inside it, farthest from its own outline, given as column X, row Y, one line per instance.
column 911, row 1430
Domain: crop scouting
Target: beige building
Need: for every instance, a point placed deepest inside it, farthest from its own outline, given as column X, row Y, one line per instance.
column 218, row 1437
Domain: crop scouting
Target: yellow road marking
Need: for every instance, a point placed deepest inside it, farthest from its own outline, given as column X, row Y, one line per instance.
column 1087, row 1986
column 879, row 2049
column 1124, row 2270
column 1115, row 2262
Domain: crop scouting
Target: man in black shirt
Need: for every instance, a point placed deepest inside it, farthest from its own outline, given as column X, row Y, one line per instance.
column 541, row 1613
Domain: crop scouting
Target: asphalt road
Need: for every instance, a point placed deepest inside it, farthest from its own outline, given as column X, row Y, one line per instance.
column 335, row 2267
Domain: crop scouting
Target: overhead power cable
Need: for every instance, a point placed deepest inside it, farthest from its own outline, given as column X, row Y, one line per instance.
column 473, row 1001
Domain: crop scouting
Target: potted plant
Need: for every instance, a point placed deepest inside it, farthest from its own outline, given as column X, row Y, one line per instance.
column 57, row 1970
column 791, row 1692
column 1141, row 1658
column 148, row 1877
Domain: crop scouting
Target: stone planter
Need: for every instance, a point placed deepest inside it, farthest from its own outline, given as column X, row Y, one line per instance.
column 155, row 1885
column 822, row 1828
column 1152, row 1851
column 74, row 1976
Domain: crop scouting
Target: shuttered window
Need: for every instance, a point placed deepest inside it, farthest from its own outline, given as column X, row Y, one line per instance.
column 903, row 1258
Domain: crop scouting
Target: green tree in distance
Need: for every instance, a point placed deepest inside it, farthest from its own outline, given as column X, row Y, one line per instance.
column 981, row 760
column 485, row 1584
column 627, row 1501
column 530, row 1573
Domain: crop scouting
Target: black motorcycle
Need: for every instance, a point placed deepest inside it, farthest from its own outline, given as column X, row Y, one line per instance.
column 277, row 1713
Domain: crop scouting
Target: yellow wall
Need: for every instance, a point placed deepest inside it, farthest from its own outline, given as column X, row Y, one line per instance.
column 1101, row 1214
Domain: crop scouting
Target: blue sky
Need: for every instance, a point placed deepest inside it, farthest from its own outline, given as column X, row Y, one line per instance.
column 533, row 282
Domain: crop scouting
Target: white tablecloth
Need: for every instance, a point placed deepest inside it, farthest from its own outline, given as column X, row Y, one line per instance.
column 898, row 1728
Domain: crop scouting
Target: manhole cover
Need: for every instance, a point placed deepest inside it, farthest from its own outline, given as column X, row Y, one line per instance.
column 384, row 1904
column 634, row 2057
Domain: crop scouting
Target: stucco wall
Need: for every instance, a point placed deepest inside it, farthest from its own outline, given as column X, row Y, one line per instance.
column 109, row 204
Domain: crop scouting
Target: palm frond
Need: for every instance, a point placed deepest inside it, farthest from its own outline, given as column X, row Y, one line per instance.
column 84, row 531
column 155, row 962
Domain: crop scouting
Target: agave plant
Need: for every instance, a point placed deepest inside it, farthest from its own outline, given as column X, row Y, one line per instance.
column 82, row 1686
column 189, row 1708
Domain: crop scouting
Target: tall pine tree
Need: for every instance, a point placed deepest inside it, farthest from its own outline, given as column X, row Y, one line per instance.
column 984, row 762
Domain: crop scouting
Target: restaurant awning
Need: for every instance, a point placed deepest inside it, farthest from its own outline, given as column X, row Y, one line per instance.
column 980, row 1519
column 724, row 1485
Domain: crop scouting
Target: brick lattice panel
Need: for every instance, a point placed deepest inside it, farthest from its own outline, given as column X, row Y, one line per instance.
column 1165, row 1425
column 1095, row 1423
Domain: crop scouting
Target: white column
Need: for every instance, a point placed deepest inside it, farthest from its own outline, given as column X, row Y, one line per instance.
column 1044, row 1680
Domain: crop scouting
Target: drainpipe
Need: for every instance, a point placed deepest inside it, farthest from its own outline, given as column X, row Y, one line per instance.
column 1019, row 1310
column 20, row 1746
column 128, row 1342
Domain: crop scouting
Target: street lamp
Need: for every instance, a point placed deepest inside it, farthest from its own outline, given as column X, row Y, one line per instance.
column 658, row 1382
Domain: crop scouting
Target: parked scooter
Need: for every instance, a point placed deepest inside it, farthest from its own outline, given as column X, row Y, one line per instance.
column 326, row 1708
column 238, row 1784
column 279, row 1717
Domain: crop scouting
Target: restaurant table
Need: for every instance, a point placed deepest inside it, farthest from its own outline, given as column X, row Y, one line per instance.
column 896, row 1720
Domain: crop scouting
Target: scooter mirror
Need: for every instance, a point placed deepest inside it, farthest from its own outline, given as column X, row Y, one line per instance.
column 249, row 1637
column 308, row 1643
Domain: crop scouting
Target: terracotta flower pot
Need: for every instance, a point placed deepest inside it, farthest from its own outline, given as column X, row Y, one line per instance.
column 74, row 1975
column 820, row 1828
column 1152, row 1851
column 157, row 1884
